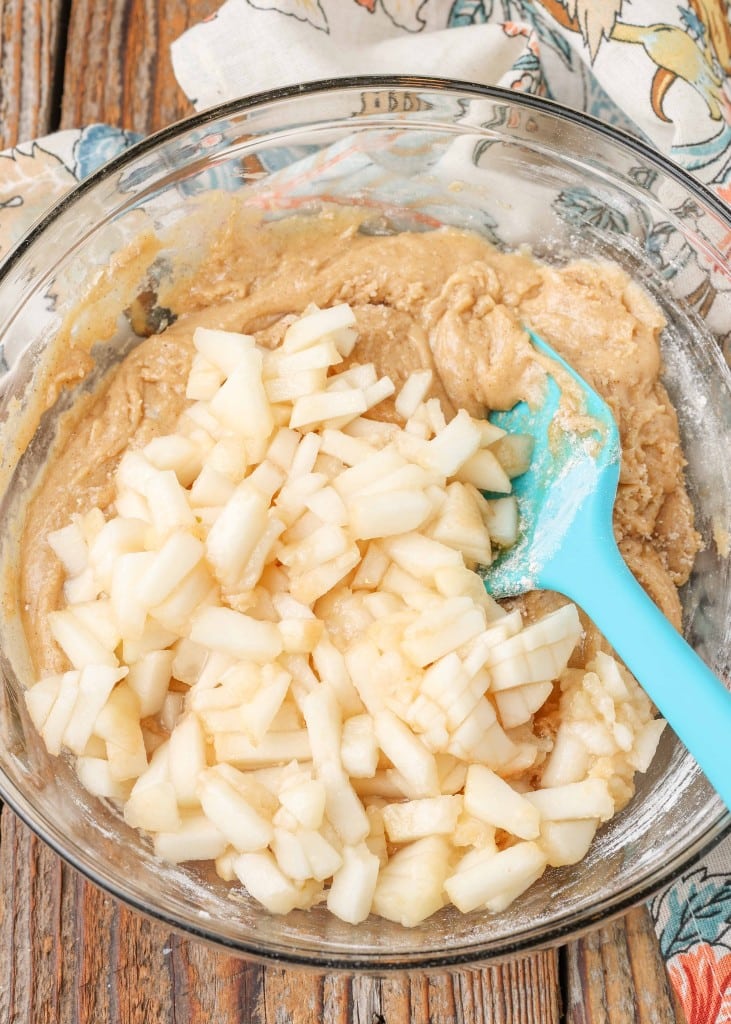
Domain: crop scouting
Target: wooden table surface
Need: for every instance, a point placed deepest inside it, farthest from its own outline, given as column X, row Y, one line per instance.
column 70, row 954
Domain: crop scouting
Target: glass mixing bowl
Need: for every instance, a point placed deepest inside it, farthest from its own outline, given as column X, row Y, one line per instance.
column 414, row 152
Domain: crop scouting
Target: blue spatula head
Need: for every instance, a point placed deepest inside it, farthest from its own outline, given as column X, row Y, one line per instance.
column 567, row 544
column 565, row 498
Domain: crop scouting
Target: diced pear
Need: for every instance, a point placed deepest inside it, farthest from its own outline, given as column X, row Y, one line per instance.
column 413, row 391
column 490, row 798
column 193, row 591
column 289, row 389
column 301, row 636
column 489, row 877
column 282, row 448
column 514, row 452
column 538, row 653
column 241, row 403
column 372, row 568
column 333, row 407
column 81, row 588
column 360, row 659
column 149, row 678
column 204, row 379
column 460, row 525
column 176, row 452
column 420, row 556
column 455, row 444
column 129, row 610
column 328, row 506
column 320, row 546
column 276, row 747
column 484, row 471
column 168, row 503
column 323, row 716
column 310, row 586
column 61, row 712
column 70, row 547
column 172, row 710
column 349, row 450
column 134, row 471
column 96, row 683
column 480, row 737
column 231, row 632
column 470, row 831
column 179, row 554
column 306, row 801
column 332, row 670
column 342, row 806
column 116, row 537
column 228, row 457
column 152, row 638
column 645, row 744
column 590, row 798
column 323, row 857
column 368, row 471
column 407, row 753
column 264, row 880
column 377, row 392
column 441, row 629
column 242, row 825
column 291, row 855
column 351, row 893
column 130, row 504
column 567, row 842
column 258, row 712
column 567, row 762
column 78, row 643
column 415, row 819
column 233, row 537
column 95, row 776
column 387, row 514
column 223, row 349
column 410, row 887
column 118, row 723
column 336, row 323
column 290, row 504
column 359, row 747
column 517, row 705
column 267, row 478
column 187, row 759
column 152, row 806
column 280, row 363
column 444, row 678
column 40, row 698
column 197, row 838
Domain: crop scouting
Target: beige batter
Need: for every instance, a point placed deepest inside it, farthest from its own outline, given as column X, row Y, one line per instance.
column 444, row 299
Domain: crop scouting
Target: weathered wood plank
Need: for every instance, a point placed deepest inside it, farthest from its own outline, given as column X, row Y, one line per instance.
column 615, row 975
column 118, row 68
column 31, row 44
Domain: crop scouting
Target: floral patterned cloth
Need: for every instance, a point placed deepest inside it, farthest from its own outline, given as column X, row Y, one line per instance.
column 660, row 70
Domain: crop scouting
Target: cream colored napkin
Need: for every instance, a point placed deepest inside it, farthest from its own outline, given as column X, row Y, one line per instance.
column 655, row 67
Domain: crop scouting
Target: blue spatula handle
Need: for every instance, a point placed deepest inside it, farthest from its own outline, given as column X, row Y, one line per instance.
column 679, row 683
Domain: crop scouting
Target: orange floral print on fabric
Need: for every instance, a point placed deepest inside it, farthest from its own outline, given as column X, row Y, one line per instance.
column 702, row 980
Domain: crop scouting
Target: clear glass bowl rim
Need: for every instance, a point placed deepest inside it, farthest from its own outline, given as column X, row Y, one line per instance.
column 536, row 938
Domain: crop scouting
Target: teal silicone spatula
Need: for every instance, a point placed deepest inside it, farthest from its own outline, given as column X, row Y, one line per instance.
column 567, row 544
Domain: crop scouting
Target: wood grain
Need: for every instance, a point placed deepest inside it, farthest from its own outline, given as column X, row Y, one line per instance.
column 31, row 41
column 616, row 975
column 118, row 68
